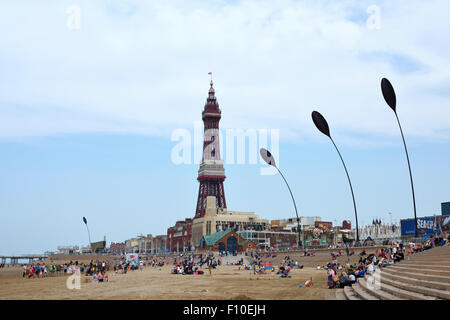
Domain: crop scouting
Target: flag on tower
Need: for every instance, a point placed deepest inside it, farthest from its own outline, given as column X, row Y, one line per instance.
column 209, row 72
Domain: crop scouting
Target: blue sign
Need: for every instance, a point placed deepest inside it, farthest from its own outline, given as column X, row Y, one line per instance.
column 425, row 226
column 445, row 208
column 407, row 227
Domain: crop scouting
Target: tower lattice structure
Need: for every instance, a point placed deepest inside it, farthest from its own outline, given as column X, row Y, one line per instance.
column 211, row 173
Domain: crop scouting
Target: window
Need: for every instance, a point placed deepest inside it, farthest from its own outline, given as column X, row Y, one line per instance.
column 208, row 228
column 213, row 153
column 212, row 138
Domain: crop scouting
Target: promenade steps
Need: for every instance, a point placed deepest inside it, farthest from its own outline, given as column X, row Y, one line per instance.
column 376, row 292
column 362, row 293
column 441, row 257
column 437, row 262
column 350, row 294
column 425, row 271
column 425, row 267
column 413, row 280
column 417, row 274
column 402, row 291
column 422, row 276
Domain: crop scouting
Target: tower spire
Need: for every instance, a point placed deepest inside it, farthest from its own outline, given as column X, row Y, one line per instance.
column 211, row 173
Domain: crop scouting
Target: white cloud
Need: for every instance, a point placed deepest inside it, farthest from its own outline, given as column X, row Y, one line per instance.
column 141, row 66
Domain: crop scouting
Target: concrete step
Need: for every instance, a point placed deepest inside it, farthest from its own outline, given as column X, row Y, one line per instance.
column 431, row 260
column 409, row 291
column 402, row 294
column 340, row 294
column 435, row 255
column 425, row 255
column 444, row 281
column 419, row 282
column 424, row 266
column 401, row 268
column 362, row 293
column 377, row 292
column 434, row 250
column 350, row 293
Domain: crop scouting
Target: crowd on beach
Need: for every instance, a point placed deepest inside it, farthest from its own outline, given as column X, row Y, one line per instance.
column 42, row 270
column 189, row 264
column 341, row 275
column 98, row 270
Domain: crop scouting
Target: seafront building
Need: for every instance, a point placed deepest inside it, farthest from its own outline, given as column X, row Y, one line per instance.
column 379, row 232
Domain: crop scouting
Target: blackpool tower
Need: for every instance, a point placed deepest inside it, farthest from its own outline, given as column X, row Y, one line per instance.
column 211, row 173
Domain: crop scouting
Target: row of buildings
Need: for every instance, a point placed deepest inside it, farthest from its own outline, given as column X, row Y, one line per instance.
column 248, row 229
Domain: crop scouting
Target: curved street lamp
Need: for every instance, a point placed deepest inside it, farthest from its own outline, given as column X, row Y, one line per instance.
column 268, row 158
column 89, row 234
column 323, row 127
column 391, row 100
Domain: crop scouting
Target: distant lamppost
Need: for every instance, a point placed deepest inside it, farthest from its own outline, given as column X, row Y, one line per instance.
column 323, row 127
column 89, row 234
column 389, row 96
column 335, row 232
column 268, row 158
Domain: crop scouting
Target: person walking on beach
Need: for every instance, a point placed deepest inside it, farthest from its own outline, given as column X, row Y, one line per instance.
column 210, row 266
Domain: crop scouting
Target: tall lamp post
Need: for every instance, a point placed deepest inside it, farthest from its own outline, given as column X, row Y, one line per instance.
column 89, row 234
column 323, row 127
column 268, row 158
column 389, row 96
column 335, row 232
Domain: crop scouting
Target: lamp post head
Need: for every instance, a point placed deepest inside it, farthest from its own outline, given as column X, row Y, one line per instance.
column 321, row 123
column 389, row 94
column 84, row 220
column 267, row 157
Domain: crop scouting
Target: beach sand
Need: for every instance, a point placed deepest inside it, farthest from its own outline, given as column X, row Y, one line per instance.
column 226, row 282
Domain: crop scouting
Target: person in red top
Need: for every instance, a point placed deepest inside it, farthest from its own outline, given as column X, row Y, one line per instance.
column 103, row 277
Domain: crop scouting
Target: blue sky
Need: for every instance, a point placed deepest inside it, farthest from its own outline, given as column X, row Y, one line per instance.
column 86, row 115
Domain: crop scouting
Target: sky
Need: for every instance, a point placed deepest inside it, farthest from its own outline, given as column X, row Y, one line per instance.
column 91, row 93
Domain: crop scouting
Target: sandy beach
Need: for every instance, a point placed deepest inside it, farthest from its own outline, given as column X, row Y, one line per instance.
column 226, row 282
column 158, row 283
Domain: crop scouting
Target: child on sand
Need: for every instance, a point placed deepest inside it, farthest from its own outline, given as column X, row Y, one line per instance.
column 309, row 283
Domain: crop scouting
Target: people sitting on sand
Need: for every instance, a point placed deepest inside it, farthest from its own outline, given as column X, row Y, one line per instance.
column 103, row 277
column 285, row 273
column 281, row 269
column 348, row 274
column 96, row 277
